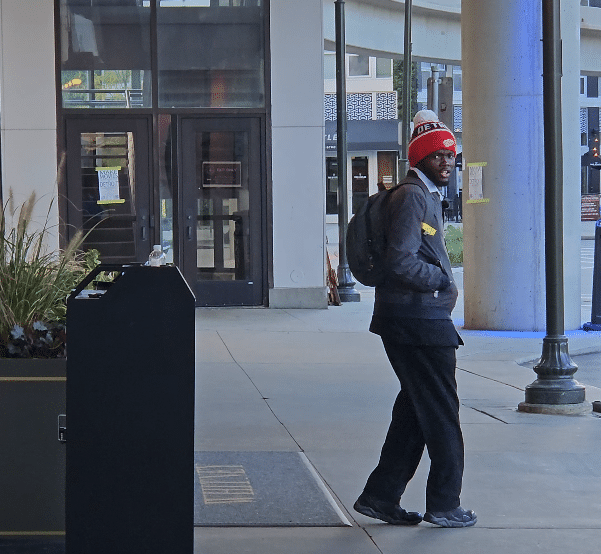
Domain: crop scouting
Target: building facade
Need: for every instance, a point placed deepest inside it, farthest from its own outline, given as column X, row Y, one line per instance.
column 174, row 122
column 201, row 125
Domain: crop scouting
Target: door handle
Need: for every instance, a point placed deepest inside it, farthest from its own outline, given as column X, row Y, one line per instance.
column 189, row 228
column 62, row 428
column 143, row 233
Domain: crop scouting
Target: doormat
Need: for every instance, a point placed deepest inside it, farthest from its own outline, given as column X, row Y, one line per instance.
column 262, row 489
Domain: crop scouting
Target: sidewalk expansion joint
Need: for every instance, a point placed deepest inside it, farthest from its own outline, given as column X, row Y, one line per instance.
column 485, row 413
column 490, row 379
column 263, row 397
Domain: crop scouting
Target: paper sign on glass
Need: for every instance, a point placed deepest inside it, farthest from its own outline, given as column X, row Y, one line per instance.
column 108, row 185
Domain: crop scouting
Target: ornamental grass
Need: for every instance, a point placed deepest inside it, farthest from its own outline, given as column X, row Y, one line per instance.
column 35, row 282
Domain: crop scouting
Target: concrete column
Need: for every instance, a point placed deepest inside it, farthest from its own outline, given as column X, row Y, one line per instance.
column 28, row 103
column 298, row 155
column 504, row 271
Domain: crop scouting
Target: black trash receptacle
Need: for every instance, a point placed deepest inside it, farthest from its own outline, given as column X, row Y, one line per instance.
column 130, row 414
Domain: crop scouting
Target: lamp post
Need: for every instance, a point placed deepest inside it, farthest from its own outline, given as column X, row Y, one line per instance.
column 406, row 90
column 346, row 285
column 555, row 390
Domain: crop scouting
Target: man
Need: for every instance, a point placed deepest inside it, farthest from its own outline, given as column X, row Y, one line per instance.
column 412, row 315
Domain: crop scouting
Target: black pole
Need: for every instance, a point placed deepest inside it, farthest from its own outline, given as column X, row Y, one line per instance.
column 346, row 285
column 406, row 90
column 555, row 369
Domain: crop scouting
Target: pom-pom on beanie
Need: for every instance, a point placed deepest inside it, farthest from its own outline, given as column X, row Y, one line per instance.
column 429, row 135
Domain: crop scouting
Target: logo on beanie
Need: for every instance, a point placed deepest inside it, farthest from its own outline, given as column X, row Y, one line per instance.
column 429, row 126
column 448, row 142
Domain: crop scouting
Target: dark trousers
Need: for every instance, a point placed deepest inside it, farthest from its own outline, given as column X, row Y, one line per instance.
column 425, row 413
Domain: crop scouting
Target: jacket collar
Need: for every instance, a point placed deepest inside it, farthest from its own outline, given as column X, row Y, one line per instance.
column 431, row 186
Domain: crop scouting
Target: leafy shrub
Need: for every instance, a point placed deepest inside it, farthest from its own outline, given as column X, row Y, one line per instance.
column 454, row 241
column 34, row 284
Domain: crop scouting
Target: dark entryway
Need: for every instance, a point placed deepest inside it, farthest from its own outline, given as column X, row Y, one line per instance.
column 163, row 109
column 108, row 186
column 220, row 231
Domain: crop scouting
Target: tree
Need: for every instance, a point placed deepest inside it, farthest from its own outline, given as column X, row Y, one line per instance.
column 398, row 85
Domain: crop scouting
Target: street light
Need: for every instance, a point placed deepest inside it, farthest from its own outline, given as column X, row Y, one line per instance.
column 406, row 115
column 555, row 390
column 346, row 285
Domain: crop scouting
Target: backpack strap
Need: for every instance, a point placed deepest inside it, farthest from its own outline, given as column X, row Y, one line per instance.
column 411, row 180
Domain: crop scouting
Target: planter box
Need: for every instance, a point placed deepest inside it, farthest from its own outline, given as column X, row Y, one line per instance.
column 32, row 460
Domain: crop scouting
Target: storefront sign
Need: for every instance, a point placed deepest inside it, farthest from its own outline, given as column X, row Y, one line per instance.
column 221, row 174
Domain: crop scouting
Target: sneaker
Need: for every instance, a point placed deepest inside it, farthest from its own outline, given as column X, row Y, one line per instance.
column 454, row 518
column 386, row 511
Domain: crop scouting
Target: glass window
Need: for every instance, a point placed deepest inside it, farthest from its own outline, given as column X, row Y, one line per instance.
column 383, row 67
column 166, row 183
column 108, row 193
column 424, row 74
column 387, row 164
column 358, row 66
column 592, row 86
column 329, row 66
column 223, row 203
column 105, row 53
column 457, row 74
column 210, row 55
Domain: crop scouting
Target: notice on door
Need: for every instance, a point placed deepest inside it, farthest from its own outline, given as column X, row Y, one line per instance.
column 221, row 174
column 108, row 185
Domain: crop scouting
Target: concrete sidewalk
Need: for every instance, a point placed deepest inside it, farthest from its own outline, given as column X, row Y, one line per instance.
column 317, row 381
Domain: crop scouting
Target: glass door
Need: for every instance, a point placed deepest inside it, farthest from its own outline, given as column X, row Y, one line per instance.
column 360, row 181
column 108, row 186
column 221, row 211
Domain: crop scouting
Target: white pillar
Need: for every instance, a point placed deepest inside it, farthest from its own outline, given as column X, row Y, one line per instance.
column 504, row 266
column 298, row 155
column 28, row 103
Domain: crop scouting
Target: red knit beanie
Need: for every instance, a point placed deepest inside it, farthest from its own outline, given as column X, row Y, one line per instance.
column 429, row 135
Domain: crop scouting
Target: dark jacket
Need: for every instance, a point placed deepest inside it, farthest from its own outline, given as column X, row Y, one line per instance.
column 420, row 283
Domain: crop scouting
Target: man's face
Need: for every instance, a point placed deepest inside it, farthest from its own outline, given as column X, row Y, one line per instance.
column 438, row 166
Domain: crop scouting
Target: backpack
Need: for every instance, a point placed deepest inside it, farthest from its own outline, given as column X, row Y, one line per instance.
column 366, row 237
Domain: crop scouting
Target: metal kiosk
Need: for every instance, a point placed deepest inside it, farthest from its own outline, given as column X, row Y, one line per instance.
column 130, row 414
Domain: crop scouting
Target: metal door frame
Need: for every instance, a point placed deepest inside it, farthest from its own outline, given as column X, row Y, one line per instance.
column 223, row 293
column 141, row 126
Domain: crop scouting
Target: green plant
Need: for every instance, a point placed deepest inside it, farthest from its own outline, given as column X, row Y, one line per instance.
column 398, row 80
column 34, row 283
column 91, row 259
column 454, row 241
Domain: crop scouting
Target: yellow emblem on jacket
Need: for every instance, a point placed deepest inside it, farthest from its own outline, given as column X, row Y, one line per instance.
column 427, row 230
